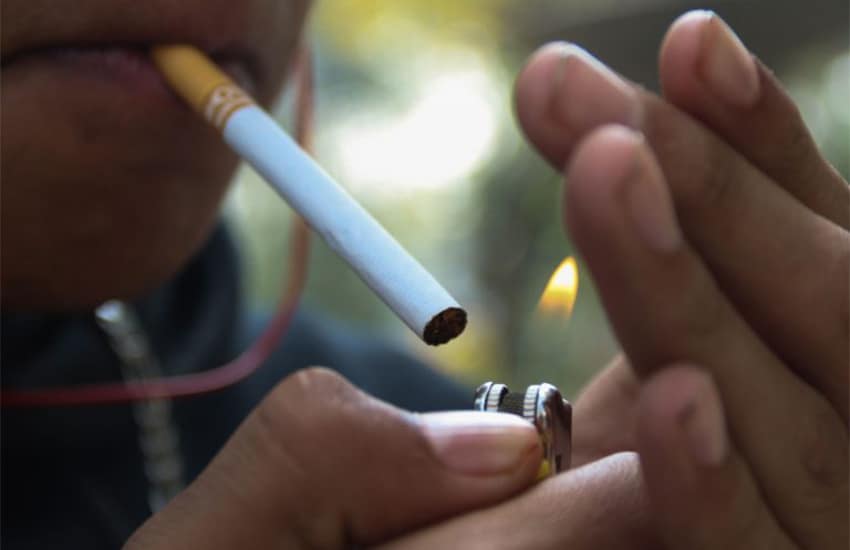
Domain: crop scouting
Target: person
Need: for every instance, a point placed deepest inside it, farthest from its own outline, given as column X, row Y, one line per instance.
column 724, row 423
column 111, row 189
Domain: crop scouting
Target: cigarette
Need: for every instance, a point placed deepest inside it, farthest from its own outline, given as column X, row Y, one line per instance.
column 383, row 264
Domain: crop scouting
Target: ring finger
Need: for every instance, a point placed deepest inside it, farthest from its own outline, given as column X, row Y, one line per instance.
column 666, row 308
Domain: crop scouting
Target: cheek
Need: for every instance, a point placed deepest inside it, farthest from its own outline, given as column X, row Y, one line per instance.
column 277, row 26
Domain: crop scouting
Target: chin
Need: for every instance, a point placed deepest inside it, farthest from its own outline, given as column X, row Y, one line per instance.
column 126, row 263
column 96, row 211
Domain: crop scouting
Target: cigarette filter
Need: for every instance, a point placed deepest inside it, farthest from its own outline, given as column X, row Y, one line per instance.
column 383, row 264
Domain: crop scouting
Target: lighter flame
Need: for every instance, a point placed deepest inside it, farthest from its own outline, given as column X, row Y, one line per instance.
column 561, row 291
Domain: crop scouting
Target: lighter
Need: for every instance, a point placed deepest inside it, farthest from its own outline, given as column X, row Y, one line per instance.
column 543, row 406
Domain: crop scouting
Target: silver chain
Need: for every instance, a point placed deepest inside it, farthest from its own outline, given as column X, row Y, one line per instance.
column 158, row 434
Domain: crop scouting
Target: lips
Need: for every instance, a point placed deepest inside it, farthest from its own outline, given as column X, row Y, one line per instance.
column 109, row 76
column 252, row 40
column 116, row 35
column 130, row 63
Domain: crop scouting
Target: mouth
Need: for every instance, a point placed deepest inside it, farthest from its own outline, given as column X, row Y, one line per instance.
column 249, row 39
column 127, row 66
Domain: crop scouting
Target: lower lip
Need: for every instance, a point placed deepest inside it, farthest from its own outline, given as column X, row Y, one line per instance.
column 123, row 69
column 131, row 67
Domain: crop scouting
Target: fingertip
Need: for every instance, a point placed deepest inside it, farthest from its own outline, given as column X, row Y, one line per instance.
column 680, row 411
column 601, row 162
column 669, row 392
column 533, row 93
column 701, row 53
column 701, row 492
column 680, row 52
column 532, row 86
column 667, row 466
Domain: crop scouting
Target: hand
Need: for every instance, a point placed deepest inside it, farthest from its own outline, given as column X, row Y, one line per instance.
column 718, row 236
column 599, row 505
column 320, row 464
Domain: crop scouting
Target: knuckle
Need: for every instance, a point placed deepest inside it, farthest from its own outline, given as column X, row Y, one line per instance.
column 839, row 284
column 289, row 433
column 830, row 331
column 293, row 432
column 742, row 518
column 313, row 379
column 748, row 530
column 793, row 151
column 699, row 168
column 712, row 179
column 824, row 458
column 799, row 146
column 700, row 311
column 306, row 400
column 815, row 491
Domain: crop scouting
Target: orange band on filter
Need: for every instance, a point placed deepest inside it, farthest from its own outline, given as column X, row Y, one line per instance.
column 200, row 82
column 222, row 102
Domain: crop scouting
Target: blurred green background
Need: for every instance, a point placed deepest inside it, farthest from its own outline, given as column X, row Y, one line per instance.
column 414, row 117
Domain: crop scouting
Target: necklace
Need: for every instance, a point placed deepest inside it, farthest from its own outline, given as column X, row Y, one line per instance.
column 158, row 435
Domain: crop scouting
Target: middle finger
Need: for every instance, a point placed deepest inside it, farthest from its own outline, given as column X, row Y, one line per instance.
column 599, row 505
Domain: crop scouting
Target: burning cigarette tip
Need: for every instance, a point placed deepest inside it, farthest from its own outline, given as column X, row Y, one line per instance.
column 445, row 326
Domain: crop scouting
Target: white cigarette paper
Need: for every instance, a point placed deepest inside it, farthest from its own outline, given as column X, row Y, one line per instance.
column 383, row 264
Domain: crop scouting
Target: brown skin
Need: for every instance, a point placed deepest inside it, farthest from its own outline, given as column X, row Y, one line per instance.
column 364, row 473
column 754, row 293
column 106, row 194
column 749, row 449
column 133, row 192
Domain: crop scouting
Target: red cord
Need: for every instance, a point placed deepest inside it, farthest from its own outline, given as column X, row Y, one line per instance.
column 247, row 362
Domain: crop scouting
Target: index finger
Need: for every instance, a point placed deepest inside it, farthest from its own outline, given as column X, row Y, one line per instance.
column 599, row 505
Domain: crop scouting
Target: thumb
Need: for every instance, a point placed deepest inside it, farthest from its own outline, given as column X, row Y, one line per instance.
column 320, row 464
column 701, row 490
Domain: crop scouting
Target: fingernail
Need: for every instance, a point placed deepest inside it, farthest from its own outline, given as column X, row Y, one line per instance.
column 587, row 93
column 704, row 428
column 480, row 443
column 727, row 66
column 649, row 203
